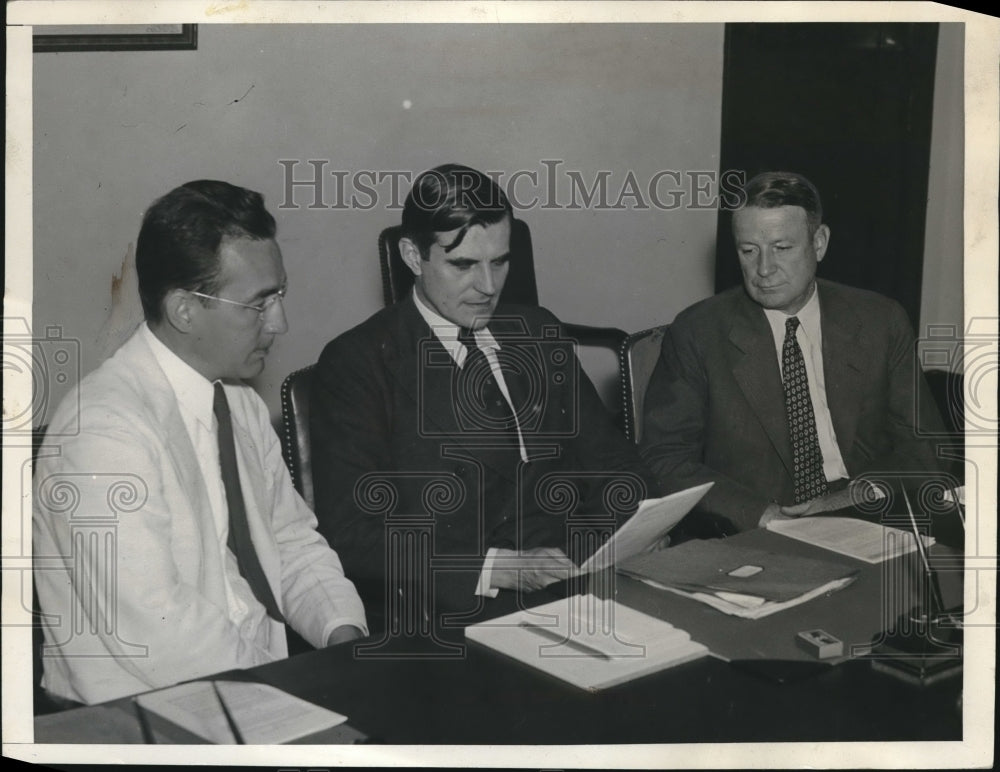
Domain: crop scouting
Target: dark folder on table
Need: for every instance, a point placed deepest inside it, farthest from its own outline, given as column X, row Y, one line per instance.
column 720, row 566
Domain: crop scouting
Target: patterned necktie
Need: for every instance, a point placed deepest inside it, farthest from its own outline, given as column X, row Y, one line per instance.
column 810, row 481
column 479, row 394
column 239, row 531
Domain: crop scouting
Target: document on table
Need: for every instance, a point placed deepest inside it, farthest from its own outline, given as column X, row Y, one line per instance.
column 589, row 642
column 263, row 714
column 870, row 542
column 651, row 522
column 751, row 606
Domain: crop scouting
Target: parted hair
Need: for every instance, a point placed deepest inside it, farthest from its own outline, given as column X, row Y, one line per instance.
column 447, row 198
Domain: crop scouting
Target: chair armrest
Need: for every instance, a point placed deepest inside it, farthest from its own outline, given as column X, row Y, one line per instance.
column 585, row 335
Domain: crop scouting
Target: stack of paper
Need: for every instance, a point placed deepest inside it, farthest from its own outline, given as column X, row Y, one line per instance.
column 588, row 642
column 742, row 581
column 231, row 712
column 652, row 521
column 858, row 539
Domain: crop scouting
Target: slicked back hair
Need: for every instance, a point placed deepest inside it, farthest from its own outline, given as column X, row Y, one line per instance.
column 178, row 245
column 770, row 190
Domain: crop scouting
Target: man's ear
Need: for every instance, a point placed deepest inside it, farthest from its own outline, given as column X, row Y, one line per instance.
column 178, row 309
column 411, row 256
column 821, row 240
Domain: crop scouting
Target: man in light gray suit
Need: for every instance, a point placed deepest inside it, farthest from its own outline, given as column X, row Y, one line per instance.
column 169, row 541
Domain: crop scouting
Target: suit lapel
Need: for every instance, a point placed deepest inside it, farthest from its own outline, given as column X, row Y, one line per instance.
column 754, row 365
column 845, row 363
column 423, row 369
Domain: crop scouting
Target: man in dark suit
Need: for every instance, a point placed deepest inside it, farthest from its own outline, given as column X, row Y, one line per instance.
column 460, row 453
column 783, row 390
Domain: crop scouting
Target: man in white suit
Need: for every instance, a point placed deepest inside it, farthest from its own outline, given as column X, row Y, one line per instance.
column 169, row 541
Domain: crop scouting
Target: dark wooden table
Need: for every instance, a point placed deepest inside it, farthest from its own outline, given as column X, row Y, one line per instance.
column 476, row 696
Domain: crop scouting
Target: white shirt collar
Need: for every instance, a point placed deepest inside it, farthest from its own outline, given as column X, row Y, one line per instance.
column 447, row 333
column 809, row 319
column 195, row 393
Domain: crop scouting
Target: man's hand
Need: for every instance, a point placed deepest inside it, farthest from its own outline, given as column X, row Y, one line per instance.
column 775, row 511
column 830, row 502
column 847, row 496
column 343, row 634
column 531, row 569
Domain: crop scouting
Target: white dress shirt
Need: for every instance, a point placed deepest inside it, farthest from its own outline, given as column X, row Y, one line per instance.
column 810, row 338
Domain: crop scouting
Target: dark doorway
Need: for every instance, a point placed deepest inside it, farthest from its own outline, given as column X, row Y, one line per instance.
column 849, row 106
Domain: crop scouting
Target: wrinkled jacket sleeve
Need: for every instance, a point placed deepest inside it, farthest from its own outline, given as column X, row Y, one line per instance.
column 604, row 451
column 674, row 433
column 350, row 425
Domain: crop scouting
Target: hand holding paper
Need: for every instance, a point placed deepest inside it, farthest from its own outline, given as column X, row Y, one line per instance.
column 644, row 531
column 531, row 569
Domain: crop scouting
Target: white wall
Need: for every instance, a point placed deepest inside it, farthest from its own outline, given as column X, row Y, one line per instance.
column 112, row 131
column 115, row 130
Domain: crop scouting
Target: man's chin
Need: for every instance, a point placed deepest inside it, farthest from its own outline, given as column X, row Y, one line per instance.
column 254, row 366
column 774, row 301
column 478, row 320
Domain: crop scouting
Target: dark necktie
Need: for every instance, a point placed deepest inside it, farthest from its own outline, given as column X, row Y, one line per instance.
column 479, row 394
column 807, row 458
column 239, row 531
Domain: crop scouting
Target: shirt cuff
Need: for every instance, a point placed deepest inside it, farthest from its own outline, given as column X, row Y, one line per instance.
column 335, row 623
column 485, row 586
